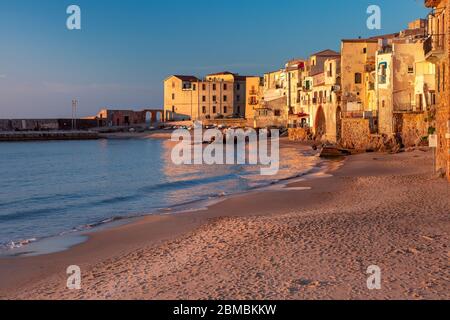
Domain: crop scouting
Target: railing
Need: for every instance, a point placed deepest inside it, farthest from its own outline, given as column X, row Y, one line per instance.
column 252, row 102
column 434, row 43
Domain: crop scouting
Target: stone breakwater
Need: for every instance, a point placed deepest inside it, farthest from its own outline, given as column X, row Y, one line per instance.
column 47, row 135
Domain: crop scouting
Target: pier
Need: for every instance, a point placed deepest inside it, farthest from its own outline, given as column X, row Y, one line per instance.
column 11, row 136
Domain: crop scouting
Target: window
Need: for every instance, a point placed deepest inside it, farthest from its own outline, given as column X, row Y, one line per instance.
column 194, row 87
column 364, row 50
column 438, row 78
column 204, row 109
column 173, row 108
column 203, row 98
column 214, row 109
column 214, row 86
column 203, row 87
column 173, row 96
column 358, row 78
column 225, row 109
column 225, row 98
column 238, row 87
column 214, row 98
column 225, row 87
column 277, row 113
column 238, row 97
column 173, row 84
column 443, row 77
column 382, row 73
column 410, row 69
column 238, row 109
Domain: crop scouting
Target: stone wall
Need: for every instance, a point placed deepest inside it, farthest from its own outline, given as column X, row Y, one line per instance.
column 226, row 122
column 443, row 109
column 48, row 135
column 355, row 133
column 270, row 121
column 414, row 128
column 299, row 134
column 45, row 124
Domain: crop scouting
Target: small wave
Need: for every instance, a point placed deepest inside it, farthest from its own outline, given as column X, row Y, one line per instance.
column 18, row 244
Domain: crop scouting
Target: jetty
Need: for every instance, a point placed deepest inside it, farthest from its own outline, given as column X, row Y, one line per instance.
column 12, row 136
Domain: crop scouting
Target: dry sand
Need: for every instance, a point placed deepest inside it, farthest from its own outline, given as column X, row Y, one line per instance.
column 378, row 209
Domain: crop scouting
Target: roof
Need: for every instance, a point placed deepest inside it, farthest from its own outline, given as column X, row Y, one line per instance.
column 223, row 73
column 326, row 52
column 185, row 77
column 373, row 39
column 236, row 76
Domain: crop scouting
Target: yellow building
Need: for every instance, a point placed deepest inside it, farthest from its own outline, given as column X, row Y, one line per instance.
column 254, row 88
column 295, row 71
column 272, row 110
column 357, row 62
column 218, row 96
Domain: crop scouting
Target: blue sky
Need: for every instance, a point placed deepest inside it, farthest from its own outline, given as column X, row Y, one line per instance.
column 126, row 48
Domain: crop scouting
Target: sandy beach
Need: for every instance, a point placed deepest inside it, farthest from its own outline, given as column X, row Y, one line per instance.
column 313, row 239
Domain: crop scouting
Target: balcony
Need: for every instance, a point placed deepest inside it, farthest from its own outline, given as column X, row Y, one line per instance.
column 434, row 47
column 369, row 67
column 252, row 101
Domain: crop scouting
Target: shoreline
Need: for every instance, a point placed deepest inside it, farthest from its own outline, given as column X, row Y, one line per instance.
column 69, row 238
column 169, row 239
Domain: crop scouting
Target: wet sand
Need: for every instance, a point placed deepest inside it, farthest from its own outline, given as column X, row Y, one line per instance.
column 311, row 240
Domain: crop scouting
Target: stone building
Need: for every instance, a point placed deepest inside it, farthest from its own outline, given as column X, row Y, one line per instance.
column 124, row 118
column 357, row 63
column 273, row 110
column 323, row 100
column 387, row 85
column 319, row 96
column 217, row 96
column 404, row 84
column 437, row 51
column 295, row 72
column 254, row 88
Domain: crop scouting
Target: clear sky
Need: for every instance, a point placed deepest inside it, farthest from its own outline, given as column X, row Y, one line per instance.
column 127, row 48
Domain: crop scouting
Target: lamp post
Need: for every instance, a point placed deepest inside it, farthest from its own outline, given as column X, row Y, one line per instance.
column 74, row 113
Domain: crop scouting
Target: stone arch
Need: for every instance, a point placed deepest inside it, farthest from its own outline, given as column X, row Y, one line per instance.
column 155, row 115
column 159, row 116
column 320, row 123
column 148, row 117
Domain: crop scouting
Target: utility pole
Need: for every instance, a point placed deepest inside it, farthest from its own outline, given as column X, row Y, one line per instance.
column 74, row 113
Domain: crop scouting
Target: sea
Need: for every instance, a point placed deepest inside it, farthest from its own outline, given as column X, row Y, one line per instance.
column 55, row 188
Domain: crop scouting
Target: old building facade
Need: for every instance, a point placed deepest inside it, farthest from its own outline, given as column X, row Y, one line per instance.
column 217, row 96
column 404, row 84
column 437, row 51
